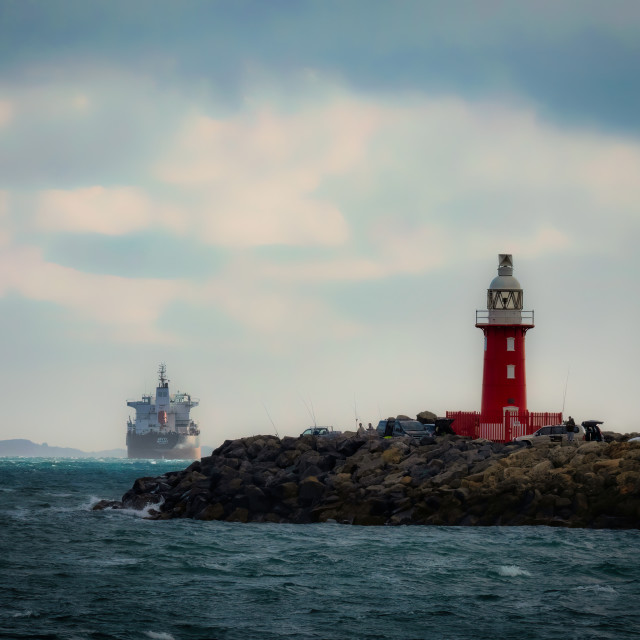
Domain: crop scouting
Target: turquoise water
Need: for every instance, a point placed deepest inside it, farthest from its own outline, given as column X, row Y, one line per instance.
column 69, row 572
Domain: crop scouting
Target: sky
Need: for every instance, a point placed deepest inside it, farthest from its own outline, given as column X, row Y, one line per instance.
column 299, row 206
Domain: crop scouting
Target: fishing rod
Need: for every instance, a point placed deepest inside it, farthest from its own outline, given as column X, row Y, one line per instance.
column 566, row 384
column 272, row 422
column 312, row 415
column 355, row 410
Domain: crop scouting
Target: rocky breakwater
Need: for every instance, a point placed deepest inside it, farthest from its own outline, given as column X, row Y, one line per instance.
column 374, row 481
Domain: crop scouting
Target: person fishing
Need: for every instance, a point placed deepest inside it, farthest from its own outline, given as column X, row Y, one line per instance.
column 570, row 425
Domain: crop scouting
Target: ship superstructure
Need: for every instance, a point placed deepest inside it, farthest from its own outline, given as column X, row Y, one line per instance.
column 163, row 427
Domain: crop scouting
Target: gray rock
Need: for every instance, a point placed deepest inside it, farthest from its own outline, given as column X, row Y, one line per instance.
column 454, row 481
column 426, row 417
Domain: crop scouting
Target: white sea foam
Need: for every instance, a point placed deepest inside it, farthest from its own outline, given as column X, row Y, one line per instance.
column 512, row 571
column 83, row 506
column 159, row 636
column 91, row 502
column 599, row 588
column 115, row 562
column 140, row 513
column 19, row 513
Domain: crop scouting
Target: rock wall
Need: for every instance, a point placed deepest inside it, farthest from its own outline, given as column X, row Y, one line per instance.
column 374, row 481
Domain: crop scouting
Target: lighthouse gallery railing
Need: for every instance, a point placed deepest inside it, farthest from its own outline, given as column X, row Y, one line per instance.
column 514, row 316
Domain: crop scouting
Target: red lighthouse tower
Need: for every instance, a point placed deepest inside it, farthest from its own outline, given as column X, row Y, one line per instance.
column 504, row 324
column 504, row 413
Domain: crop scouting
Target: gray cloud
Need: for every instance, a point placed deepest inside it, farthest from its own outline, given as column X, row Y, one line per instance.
column 81, row 125
column 575, row 59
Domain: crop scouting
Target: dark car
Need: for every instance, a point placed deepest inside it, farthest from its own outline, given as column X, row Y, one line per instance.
column 398, row 428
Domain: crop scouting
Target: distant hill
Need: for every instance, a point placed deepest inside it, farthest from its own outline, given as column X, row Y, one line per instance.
column 28, row 449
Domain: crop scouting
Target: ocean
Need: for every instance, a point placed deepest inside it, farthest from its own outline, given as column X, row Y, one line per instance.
column 68, row 572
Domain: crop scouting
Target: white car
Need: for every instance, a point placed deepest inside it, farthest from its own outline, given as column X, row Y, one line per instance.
column 322, row 432
column 551, row 433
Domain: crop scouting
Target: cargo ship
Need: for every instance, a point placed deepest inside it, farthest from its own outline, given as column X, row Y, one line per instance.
column 163, row 427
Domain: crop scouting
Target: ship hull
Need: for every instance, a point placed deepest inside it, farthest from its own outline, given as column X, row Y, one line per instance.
column 163, row 445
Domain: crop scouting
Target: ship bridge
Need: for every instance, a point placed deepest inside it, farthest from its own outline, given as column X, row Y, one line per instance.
column 185, row 399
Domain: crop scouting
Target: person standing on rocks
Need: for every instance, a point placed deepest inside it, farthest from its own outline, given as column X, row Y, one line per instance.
column 571, row 427
column 388, row 431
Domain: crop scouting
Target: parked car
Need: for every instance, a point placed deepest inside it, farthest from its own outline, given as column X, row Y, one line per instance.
column 551, row 433
column 323, row 432
column 397, row 428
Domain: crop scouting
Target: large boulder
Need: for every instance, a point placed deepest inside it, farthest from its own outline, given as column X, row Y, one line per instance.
column 426, row 417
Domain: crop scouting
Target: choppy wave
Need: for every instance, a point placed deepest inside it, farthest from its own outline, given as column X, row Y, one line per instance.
column 137, row 513
column 71, row 572
column 512, row 571
column 598, row 588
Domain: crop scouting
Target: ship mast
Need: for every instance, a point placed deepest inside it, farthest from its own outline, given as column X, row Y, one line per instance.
column 162, row 376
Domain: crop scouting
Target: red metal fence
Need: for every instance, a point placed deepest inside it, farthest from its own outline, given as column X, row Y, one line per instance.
column 499, row 427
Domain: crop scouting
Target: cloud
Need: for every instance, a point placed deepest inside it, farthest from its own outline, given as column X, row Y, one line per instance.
column 311, row 163
column 269, row 217
column 344, row 187
column 112, row 211
column 414, row 252
column 479, row 169
column 127, row 308
column 258, row 172
column 546, row 240
column 94, row 209
column 269, row 175
column 264, row 308
column 80, row 124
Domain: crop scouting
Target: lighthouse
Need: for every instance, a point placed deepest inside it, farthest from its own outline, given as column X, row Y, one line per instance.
column 505, row 325
column 504, row 414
